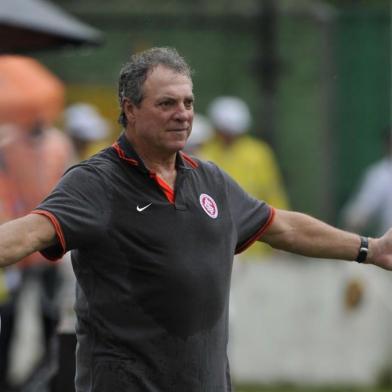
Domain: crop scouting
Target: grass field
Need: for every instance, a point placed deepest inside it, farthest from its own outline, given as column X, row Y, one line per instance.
column 308, row 389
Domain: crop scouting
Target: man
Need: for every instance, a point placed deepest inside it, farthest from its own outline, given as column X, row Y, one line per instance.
column 153, row 234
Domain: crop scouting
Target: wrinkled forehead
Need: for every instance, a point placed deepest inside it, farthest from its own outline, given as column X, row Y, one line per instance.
column 163, row 68
column 164, row 80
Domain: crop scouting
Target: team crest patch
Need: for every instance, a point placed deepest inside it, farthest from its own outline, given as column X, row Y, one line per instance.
column 209, row 206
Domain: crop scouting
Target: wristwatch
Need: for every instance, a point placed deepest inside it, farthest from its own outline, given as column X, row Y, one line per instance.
column 363, row 250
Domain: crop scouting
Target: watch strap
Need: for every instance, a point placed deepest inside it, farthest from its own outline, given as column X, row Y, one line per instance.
column 363, row 250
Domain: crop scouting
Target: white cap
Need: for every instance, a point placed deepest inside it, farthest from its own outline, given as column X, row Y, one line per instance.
column 230, row 115
column 83, row 121
column 201, row 131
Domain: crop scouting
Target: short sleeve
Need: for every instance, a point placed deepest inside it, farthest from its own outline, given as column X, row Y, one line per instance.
column 77, row 208
column 251, row 216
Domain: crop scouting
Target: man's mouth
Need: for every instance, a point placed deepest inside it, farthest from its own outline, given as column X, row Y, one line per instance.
column 179, row 130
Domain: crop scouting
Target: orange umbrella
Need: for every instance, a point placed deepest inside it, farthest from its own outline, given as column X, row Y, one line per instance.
column 29, row 93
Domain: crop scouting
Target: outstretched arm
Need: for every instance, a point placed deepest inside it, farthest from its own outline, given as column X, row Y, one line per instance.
column 23, row 236
column 301, row 234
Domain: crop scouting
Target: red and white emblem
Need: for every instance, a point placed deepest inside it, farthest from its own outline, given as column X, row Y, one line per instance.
column 209, row 205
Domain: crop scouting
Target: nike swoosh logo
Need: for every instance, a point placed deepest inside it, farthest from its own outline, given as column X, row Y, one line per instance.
column 140, row 209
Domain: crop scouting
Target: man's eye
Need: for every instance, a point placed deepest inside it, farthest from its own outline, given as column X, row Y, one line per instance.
column 165, row 103
column 189, row 104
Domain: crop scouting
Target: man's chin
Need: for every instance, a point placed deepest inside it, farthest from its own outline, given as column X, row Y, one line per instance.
column 177, row 146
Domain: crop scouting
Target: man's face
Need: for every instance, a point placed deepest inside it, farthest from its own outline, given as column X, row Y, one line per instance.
column 163, row 121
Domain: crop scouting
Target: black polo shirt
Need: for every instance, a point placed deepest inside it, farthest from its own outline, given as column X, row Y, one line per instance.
column 153, row 267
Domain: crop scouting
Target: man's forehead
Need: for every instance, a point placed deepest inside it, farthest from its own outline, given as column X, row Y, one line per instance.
column 165, row 81
column 161, row 74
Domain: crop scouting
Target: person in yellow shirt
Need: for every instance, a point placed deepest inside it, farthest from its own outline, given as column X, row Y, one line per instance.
column 250, row 161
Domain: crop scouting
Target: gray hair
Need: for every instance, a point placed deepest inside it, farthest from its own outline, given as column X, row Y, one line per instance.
column 134, row 73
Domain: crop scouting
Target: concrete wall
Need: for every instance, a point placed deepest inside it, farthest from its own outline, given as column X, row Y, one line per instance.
column 290, row 322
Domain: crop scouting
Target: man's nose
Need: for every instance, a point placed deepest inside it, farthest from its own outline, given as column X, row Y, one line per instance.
column 183, row 113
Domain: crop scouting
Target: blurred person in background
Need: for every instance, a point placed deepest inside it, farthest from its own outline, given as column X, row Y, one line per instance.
column 370, row 207
column 249, row 161
column 202, row 132
column 85, row 126
column 33, row 156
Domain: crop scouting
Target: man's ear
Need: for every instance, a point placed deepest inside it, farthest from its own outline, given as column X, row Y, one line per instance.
column 129, row 110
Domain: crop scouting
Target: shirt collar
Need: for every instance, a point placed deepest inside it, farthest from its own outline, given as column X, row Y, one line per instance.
column 126, row 152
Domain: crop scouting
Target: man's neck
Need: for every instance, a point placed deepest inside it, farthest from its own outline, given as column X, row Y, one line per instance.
column 164, row 168
column 161, row 163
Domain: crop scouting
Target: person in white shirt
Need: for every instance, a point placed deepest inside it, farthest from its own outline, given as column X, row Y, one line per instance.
column 371, row 205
